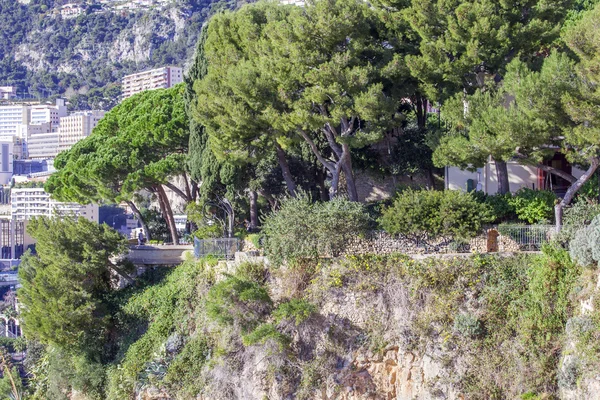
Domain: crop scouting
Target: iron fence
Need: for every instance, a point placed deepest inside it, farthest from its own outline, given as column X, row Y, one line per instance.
column 220, row 248
column 527, row 237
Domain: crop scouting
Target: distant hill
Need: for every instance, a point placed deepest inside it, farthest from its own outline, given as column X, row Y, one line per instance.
column 80, row 50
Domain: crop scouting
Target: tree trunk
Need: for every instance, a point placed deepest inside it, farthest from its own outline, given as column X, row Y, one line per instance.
column 167, row 212
column 572, row 191
column 138, row 214
column 346, row 162
column 253, row 197
column 421, row 111
column 285, row 170
column 320, row 178
column 335, row 181
column 502, row 175
column 430, row 179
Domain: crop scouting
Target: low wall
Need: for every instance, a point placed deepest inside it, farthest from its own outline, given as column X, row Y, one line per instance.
column 148, row 255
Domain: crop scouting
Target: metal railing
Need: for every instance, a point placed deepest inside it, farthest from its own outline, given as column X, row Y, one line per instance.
column 220, row 248
column 526, row 237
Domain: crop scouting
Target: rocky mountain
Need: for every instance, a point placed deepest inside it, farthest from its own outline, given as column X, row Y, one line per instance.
column 81, row 50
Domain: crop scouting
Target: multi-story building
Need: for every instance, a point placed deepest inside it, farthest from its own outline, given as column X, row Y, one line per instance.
column 42, row 145
column 77, row 126
column 160, row 78
column 12, row 117
column 48, row 113
column 27, row 203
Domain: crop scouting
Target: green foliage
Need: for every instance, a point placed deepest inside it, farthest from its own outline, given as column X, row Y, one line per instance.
column 585, row 245
column 187, row 366
column 297, row 310
column 209, row 231
column 468, row 325
column 427, row 214
column 264, row 333
column 333, row 98
column 578, row 217
column 238, row 302
column 161, row 307
column 66, row 284
column 500, row 205
column 461, row 41
column 301, row 229
column 6, row 388
column 256, row 239
column 533, row 206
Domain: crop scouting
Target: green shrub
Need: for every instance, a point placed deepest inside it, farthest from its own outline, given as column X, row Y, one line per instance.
column 256, row 239
column 254, row 272
column 468, row 325
column 263, row 333
column 585, row 246
column 576, row 217
column 301, row 229
column 296, row 310
column 533, row 206
column 236, row 301
column 186, row 367
column 209, row 231
column 422, row 214
column 501, row 208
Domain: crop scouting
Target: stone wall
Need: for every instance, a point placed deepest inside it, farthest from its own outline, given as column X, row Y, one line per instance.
column 383, row 243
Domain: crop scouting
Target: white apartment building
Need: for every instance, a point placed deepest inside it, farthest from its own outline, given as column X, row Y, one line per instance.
column 42, row 145
column 77, row 126
column 27, row 203
column 160, row 78
column 48, row 113
column 12, row 117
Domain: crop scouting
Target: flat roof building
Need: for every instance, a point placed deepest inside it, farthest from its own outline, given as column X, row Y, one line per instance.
column 160, row 78
column 76, row 127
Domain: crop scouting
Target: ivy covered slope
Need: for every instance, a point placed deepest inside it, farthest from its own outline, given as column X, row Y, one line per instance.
column 45, row 54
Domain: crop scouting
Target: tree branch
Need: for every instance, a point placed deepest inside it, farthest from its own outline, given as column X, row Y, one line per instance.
column 327, row 164
column 178, row 191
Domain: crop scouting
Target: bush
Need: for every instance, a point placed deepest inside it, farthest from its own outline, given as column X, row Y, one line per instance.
column 296, row 310
column 585, row 246
column 301, row 229
column 501, row 208
column 238, row 302
column 263, row 333
column 533, row 206
column 468, row 325
column 577, row 217
column 426, row 214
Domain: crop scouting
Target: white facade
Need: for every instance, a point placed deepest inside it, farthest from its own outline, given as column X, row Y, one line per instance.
column 77, row 126
column 160, row 78
column 486, row 179
column 42, row 146
column 48, row 113
column 12, row 117
column 27, row 203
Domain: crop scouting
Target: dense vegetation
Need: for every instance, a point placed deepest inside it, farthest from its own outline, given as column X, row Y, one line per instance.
column 282, row 107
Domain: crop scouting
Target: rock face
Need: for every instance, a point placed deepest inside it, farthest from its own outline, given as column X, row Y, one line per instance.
column 400, row 375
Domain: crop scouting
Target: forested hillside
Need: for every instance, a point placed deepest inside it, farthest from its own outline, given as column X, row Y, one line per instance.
column 82, row 58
